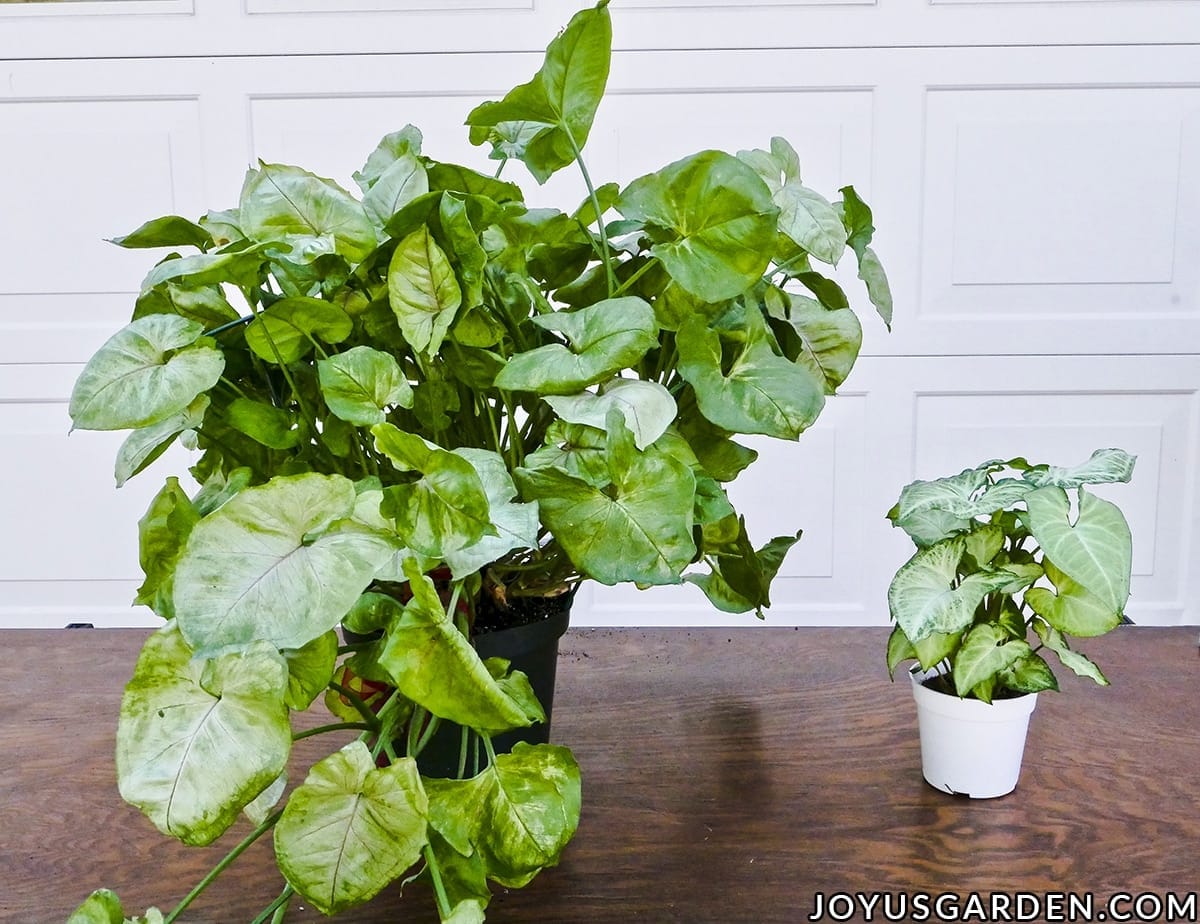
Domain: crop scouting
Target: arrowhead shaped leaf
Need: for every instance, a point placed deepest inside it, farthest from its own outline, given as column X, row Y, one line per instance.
column 290, row 205
column 647, row 407
column 241, row 267
column 205, row 304
column 423, row 291
column 759, row 391
column 253, row 569
column 604, row 338
column 986, row 651
column 516, row 524
column 718, row 220
column 518, row 814
column 831, row 340
column 391, row 148
column 1030, row 675
column 146, row 444
column 638, row 529
column 162, row 533
column 309, row 670
column 101, row 907
column 811, row 221
column 150, row 370
column 168, row 231
column 434, row 665
column 198, row 740
column 741, row 586
column 575, row 449
column 1072, row 610
column 922, row 596
column 447, row 508
column 1104, row 466
column 350, row 829
column 558, row 105
column 879, row 291
column 285, row 331
column 1095, row 552
column 930, row 511
column 404, row 180
column 361, row 384
column 1077, row 662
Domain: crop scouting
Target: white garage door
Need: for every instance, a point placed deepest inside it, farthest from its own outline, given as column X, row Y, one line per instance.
column 1034, row 168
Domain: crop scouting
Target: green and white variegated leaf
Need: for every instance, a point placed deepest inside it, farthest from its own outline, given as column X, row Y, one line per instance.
column 447, row 508
column 984, row 543
column 518, row 814
column 103, row 907
column 1030, row 675
column 391, row 148
column 985, row 652
column 292, row 206
column 367, row 512
column 516, row 524
column 240, row 267
column 724, row 596
column 309, row 670
column 760, row 392
column 831, row 340
column 1096, row 551
column 899, row 650
column 879, row 291
column 433, row 664
column 1079, row 663
column 1070, row 608
column 351, row 828
column 149, row 371
column 199, row 739
column 778, row 166
column 1104, row 467
column 361, row 384
column 146, row 444
column 423, row 291
column 604, row 338
column 266, row 424
column 275, row 563
column 647, row 407
column 576, row 449
column 403, row 181
column 930, row 511
column 811, row 221
column 638, row 528
column 719, row 219
column 922, row 596
column 162, row 532
column 285, row 332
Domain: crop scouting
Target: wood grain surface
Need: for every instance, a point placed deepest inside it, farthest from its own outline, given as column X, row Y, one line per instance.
column 729, row 776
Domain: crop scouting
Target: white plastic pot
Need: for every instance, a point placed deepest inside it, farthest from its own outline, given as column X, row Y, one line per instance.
column 969, row 747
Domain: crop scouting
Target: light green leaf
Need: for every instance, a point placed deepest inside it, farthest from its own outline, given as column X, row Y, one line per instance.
column 558, row 105
column 259, row 808
column 720, row 456
column 197, row 740
column 309, row 670
column 1030, row 675
column 930, row 511
column 291, row 205
column 273, row 563
column 1104, row 466
column 391, row 148
column 576, row 449
column 285, row 331
column 899, row 649
column 811, row 221
column 162, row 533
column 638, row 529
column 266, row 424
column 922, row 596
column 101, row 907
column 361, row 384
column 146, row 444
column 350, row 828
column 1072, row 610
column 1095, row 552
column 777, row 166
column 831, row 340
column 516, row 524
column 647, row 407
column 870, row 271
column 423, row 291
column 447, row 508
column 434, row 665
column 604, row 338
column 1079, row 663
column 150, row 370
column 404, row 180
column 986, row 651
column 168, row 231
column 372, row 612
column 741, row 585
column 518, row 814
column 717, row 222
column 241, row 267
column 758, row 391
column 205, row 304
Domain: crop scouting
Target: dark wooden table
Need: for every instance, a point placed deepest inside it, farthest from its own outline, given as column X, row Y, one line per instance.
column 729, row 776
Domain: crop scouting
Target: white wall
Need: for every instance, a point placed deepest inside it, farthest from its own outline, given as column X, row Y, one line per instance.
column 1034, row 168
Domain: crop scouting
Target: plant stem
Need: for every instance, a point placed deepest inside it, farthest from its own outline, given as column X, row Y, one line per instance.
column 595, row 200
column 641, row 271
column 229, row 326
column 462, row 752
column 216, row 871
column 336, row 726
column 439, row 887
column 372, row 720
column 277, row 908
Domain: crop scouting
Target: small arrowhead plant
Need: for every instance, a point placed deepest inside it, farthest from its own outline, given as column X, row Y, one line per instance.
column 1011, row 560
column 430, row 377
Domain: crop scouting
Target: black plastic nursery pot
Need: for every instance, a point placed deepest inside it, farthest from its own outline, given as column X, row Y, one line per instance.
column 531, row 648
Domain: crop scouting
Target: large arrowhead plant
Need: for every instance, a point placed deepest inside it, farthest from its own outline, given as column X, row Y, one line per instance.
column 429, row 377
column 1011, row 559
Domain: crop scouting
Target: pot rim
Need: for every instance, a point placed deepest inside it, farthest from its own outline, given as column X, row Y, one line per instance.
column 999, row 710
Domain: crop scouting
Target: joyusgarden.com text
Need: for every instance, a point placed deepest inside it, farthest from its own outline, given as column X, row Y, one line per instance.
column 989, row 907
